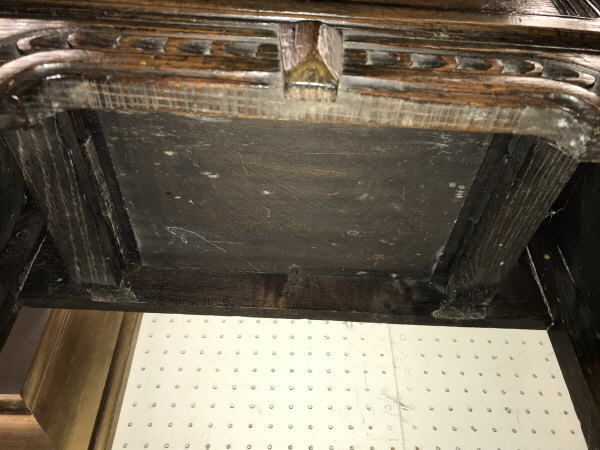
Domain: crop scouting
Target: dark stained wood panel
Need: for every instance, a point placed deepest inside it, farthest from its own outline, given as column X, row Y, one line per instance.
column 189, row 290
column 270, row 196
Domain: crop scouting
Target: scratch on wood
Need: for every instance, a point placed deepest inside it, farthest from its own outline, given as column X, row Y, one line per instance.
column 181, row 234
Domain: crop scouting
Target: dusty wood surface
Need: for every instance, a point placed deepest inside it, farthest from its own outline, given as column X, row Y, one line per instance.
column 92, row 143
column 393, row 11
column 575, row 224
column 500, row 68
column 193, row 291
column 564, row 253
column 256, row 196
column 578, row 8
column 576, row 316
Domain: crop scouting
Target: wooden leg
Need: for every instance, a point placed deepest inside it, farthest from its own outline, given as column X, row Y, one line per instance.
column 59, row 181
column 526, row 182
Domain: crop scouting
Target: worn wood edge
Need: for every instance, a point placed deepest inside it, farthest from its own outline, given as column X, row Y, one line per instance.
column 503, row 322
column 361, row 298
column 577, row 385
column 554, row 107
column 96, row 150
column 556, row 114
column 548, row 266
column 91, row 194
column 477, row 198
column 68, row 420
column 491, row 181
column 12, row 193
column 116, row 383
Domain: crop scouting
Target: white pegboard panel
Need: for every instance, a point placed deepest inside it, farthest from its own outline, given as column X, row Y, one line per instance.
column 208, row 382
column 472, row 388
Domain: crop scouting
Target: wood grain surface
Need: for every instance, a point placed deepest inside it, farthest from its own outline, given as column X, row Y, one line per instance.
column 530, row 177
column 57, row 186
column 256, row 196
column 357, row 298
